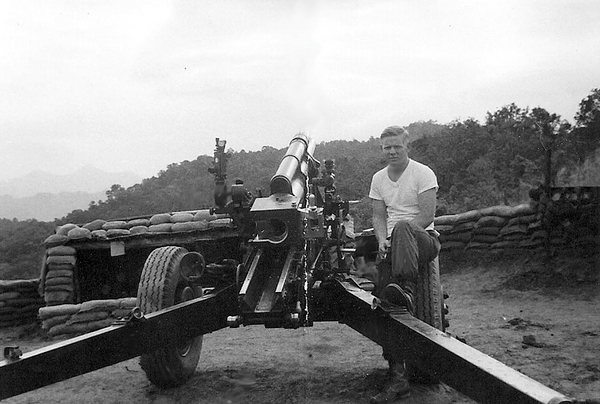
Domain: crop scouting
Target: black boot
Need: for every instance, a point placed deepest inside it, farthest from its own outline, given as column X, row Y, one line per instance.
column 396, row 388
column 401, row 295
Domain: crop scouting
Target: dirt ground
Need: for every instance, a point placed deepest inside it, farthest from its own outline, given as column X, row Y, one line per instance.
column 546, row 324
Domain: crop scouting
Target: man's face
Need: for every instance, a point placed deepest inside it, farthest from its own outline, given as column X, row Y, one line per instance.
column 395, row 151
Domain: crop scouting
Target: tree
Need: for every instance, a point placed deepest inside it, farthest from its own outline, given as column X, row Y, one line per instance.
column 586, row 134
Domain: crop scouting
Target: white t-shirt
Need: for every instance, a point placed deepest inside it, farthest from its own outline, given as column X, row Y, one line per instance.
column 401, row 197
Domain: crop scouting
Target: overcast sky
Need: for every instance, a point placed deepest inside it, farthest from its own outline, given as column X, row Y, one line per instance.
column 137, row 85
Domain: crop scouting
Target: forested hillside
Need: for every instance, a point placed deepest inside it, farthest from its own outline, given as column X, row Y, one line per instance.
column 478, row 164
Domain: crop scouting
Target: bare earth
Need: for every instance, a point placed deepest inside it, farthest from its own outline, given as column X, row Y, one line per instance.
column 494, row 304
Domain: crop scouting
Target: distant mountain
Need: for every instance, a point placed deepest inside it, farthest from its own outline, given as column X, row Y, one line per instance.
column 46, row 207
column 87, row 179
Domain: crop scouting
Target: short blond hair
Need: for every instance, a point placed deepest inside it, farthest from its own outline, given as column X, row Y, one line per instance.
column 395, row 131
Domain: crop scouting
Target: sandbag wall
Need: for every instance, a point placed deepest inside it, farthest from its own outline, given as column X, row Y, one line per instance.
column 491, row 228
column 19, row 302
column 85, row 317
column 568, row 217
column 59, row 275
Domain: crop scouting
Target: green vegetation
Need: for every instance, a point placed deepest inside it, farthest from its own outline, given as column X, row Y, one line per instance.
column 478, row 165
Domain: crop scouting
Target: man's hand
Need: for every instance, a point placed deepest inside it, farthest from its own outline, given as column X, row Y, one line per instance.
column 383, row 249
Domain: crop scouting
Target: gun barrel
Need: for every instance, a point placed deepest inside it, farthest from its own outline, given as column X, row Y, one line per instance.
column 293, row 169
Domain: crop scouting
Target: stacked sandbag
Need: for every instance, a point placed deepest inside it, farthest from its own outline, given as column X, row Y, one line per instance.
column 85, row 317
column 515, row 231
column 19, row 302
column 65, row 233
column 456, row 230
column 157, row 224
column 571, row 217
column 57, row 281
column 495, row 227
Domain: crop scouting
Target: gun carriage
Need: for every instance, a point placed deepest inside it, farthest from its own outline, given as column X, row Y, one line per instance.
column 275, row 260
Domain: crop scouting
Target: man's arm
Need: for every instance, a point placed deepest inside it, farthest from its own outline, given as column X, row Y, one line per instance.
column 427, row 202
column 380, row 225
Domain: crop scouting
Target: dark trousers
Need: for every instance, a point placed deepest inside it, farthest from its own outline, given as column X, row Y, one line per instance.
column 412, row 248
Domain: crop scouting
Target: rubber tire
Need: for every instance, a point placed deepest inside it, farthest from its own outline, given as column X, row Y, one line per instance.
column 429, row 304
column 159, row 285
column 429, row 296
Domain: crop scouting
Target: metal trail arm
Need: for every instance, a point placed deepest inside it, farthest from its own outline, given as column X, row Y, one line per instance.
column 118, row 343
column 467, row 370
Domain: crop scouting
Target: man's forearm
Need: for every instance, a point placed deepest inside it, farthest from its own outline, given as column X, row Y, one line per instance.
column 380, row 228
column 422, row 220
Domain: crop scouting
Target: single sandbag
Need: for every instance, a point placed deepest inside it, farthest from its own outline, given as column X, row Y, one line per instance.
column 204, row 214
column 11, row 285
column 115, row 224
column 523, row 209
column 62, row 310
column 453, row 245
column 463, row 227
column 500, row 210
column 117, row 233
column 505, row 244
column 9, row 295
column 128, row 302
column 56, row 267
column 99, row 234
column 515, row 229
column 55, row 273
column 59, row 280
column 86, row 317
column 138, row 230
column 470, row 216
column 443, row 228
column 61, row 250
column 55, row 240
column 485, row 238
column 189, row 226
column 445, row 220
column 79, row 233
column 515, row 237
column 160, row 218
column 120, row 313
column 59, row 329
column 63, row 287
column 138, row 222
column 464, row 237
column 522, row 219
column 65, row 228
column 474, row 245
column 182, row 217
column 161, row 228
column 94, row 225
column 100, row 305
column 491, row 221
column 98, row 325
column 66, row 260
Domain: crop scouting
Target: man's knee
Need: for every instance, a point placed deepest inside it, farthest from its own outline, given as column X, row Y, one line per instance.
column 403, row 228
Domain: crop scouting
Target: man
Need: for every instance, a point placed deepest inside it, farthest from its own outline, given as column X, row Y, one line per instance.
column 404, row 197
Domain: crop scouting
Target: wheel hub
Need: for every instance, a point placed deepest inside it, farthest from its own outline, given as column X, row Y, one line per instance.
column 186, row 293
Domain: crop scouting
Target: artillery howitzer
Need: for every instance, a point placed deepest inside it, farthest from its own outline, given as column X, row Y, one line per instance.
column 279, row 262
